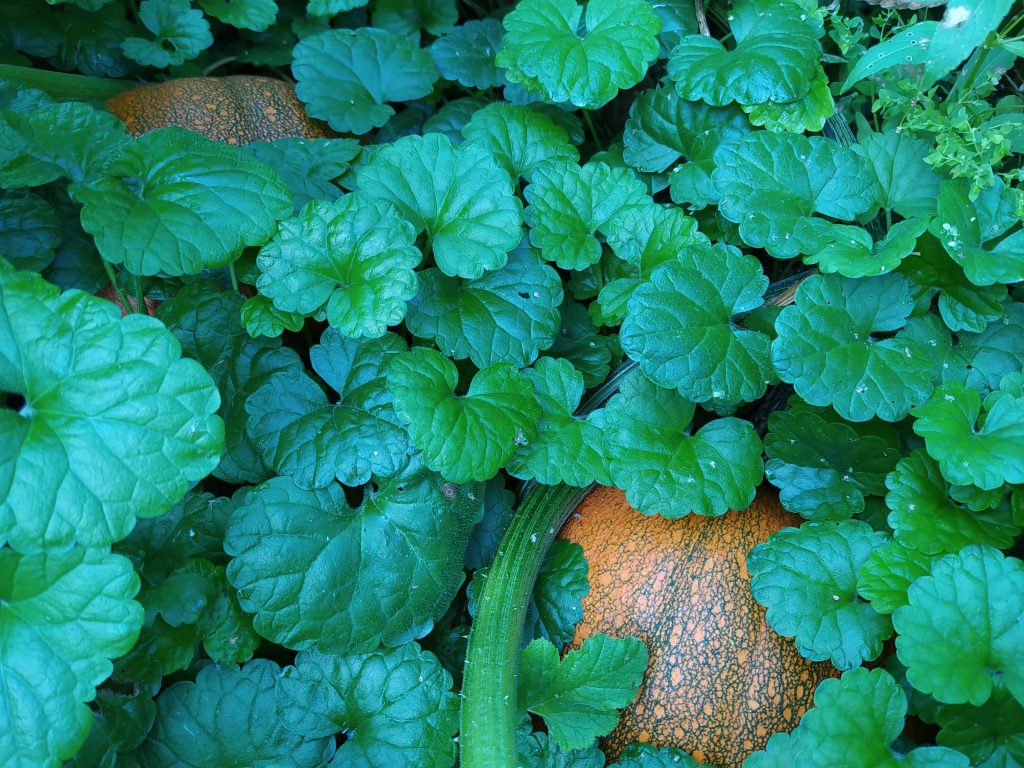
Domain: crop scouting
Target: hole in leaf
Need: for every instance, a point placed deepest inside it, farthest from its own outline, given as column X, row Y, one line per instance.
column 14, row 401
column 168, row 46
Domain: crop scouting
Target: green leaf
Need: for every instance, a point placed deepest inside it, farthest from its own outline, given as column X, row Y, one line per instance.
column 579, row 695
column 908, row 46
column 579, row 342
column 508, row 315
column 261, row 318
column 825, row 467
column 408, row 17
column 347, row 76
column 648, row 756
column 351, row 260
column 206, row 322
column 308, row 167
column 547, row 48
column 962, row 305
column 227, row 717
column 985, row 451
column 520, row 139
column 458, row 194
column 990, row 735
column 975, row 235
column 180, row 33
column 566, row 449
column 768, row 182
column 256, row 15
column 888, row 573
column 114, row 424
column 962, row 626
column 29, row 230
column 851, row 252
column 466, row 53
column 808, row 113
column 332, row 7
column 539, row 750
column 807, row 579
column 997, row 350
column 316, row 572
column 451, row 118
column 395, row 705
column 176, row 203
column 63, row 616
column 665, row 471
column 70, row 140
column 570, row 205
column 854, row 721
column 679, row 327
column 828, row 347
column 498, row 510
column 906, row 183
column 965, row 25
column 302, row 433
column 91, row 44
column 775, row 58
column 467, row 437
column 664, row 128
column 924, row 517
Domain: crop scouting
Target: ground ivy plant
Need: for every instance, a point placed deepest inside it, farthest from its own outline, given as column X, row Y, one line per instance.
column 282, row 424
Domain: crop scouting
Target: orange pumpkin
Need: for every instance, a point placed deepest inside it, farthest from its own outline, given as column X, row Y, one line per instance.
column 236, row 109
column 720, row 680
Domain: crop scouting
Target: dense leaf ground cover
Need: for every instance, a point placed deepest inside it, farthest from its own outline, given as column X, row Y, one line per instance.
column 252, row 525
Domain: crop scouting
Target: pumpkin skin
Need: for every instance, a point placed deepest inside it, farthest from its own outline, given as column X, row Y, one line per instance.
column 720, row 680
column 237, row 109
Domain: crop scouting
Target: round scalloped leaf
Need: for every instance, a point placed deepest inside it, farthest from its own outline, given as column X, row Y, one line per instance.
column 508, row 315
column 997, row 350
column 261, row 318
column 679, row 327
column 348, row 76
column 566, row 449
column 808, row 113
column 520, row 139
column 828, row 349
column 256, row 15
column 906, row 183
column 395, row 705
column 466, row 53
column 181, row 33
column 465, row 437
column 308, row 166
column 544, row 49
column 649, row 756
column 29, row 230
column 924, row 517
column 775, row 58
column 888, row 572
column 961, row 627
column 768, row 182
column 807, row 579
column 664, row 128
column 992, row 734
column 569, row 205
column 114, row 424
column 352, row 260
column 667, row 472
column 173, row 202
column 227, row 717
column 315, row 572
column 302, row 433
column 459, row 195
column 408, row 17
column 63, row 616
column 851, row 251
column 207, row 323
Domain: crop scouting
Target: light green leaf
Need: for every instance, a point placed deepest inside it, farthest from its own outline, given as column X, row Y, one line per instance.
column 261, row 318
column 648, row 756
column 962, row 626
column 176, row 203
column 828, row 350
column 990, row 735
column 679, row 327
column 569, row 205
column 662, row 469
column 395, row 705
column 808, row 113
column 520, row 139
column 906, row 183
column 63, row 616
column 775, row 58
column 310, row 568
column 851, row 251
column 548, row 49
column 462, row 437
column 458, row 194
column 181, row 33
column 579, row 695
column 466, row 53
column 347, row 76
column 255, row 15
column 888, row 572
column 908, row 46
column 227, row 718
column 114, row 424
column 768, row 182
column 964, row 26
column 807, row 579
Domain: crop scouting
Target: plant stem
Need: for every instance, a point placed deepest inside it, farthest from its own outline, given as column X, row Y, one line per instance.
column 62, row 85
column 593, row 132
column 234, row 276
column 125, row 305
column 140, row 296
column 490, row 681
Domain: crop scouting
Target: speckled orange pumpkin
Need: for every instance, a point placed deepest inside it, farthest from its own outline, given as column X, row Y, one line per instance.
column 235, row 109
column 720, row 681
